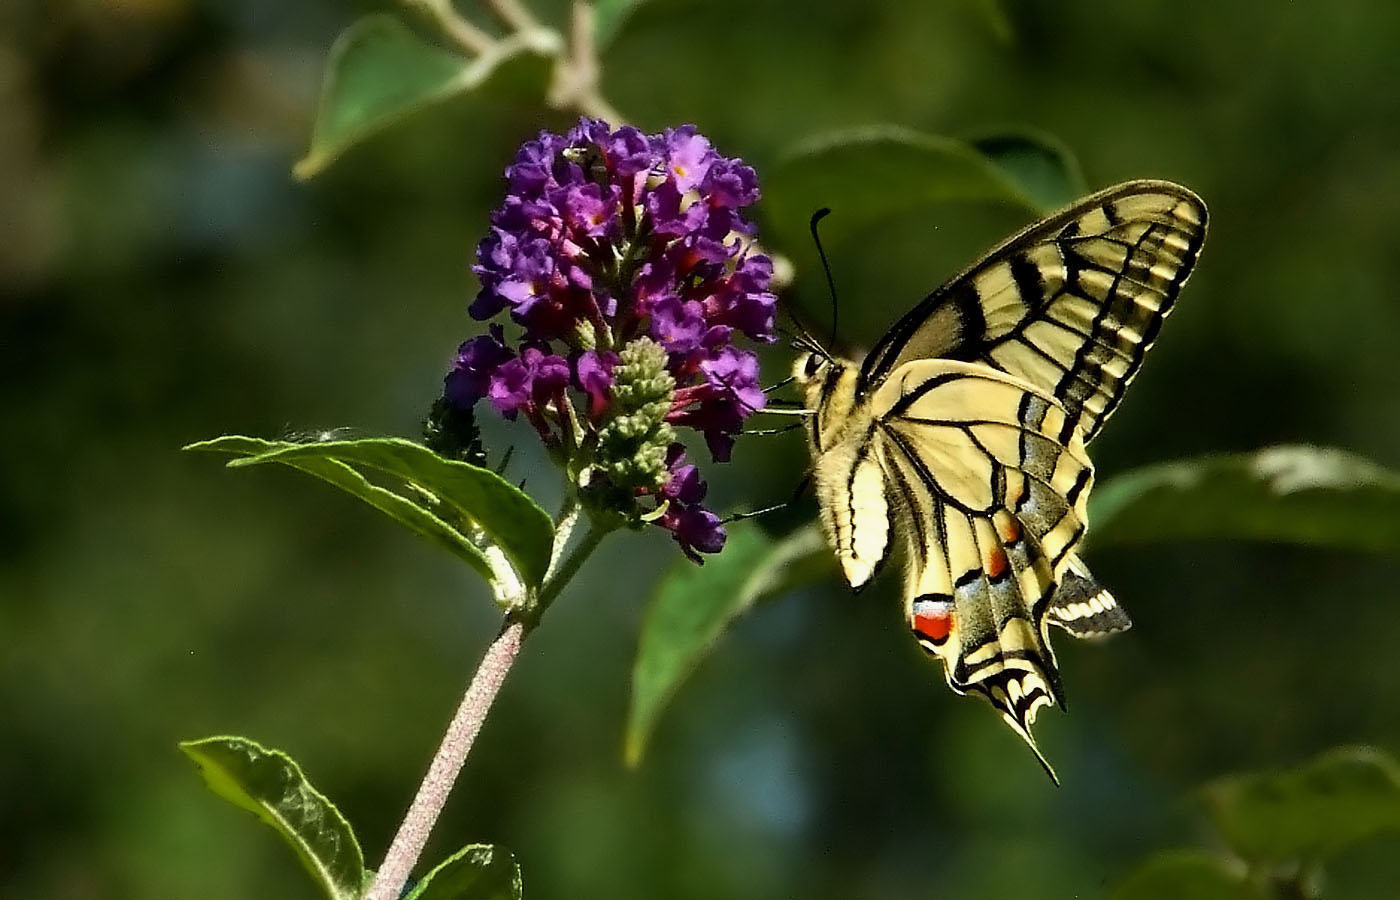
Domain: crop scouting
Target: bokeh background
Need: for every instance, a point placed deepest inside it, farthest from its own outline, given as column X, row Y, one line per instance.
column 164, row 279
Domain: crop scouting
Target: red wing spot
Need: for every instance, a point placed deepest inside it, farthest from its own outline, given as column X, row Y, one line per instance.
column 997, row 565
column 1013, row 531
column 933, row 620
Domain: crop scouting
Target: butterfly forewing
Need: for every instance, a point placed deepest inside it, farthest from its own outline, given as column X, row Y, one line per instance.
column 1071, row 304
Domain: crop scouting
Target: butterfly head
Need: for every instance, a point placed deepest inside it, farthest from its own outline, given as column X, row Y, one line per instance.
column 810, row 367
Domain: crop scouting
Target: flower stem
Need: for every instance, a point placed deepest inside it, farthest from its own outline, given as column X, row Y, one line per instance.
column 456, row 28
column 514, row 14
column 568, row 567
column 576, row 77
column 451, row 755
column 437, row 784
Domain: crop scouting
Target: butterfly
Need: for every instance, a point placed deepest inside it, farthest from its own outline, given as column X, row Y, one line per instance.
column 959, row 441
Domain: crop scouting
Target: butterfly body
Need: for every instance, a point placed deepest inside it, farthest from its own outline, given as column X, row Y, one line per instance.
column 958, row 443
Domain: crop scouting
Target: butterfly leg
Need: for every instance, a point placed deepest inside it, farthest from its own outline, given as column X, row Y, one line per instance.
column 783, row 430
column 753, row 514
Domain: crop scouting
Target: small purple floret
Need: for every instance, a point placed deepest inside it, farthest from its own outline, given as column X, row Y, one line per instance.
column 693, row 527
column 477, row 360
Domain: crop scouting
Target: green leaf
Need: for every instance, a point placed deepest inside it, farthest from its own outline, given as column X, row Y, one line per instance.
column 476, row 872
column 1309, row 813
column 1296, row 494
column 694, row 604
column 405, row 511
column 608, row 18
column 869, row 173
column 270, row 785
column 1043, row 167
column 1181, row 874
column 380, row 71
column 507, row 515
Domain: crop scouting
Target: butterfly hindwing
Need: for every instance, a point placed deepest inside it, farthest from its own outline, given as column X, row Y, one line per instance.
column 989, row 480
column 1085, row 608
column 1070, row 305
column 851, row 494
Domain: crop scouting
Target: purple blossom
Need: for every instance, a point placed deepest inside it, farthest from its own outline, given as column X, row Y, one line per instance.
column 477, row 359
column 684, row 484
column 718, row 406
column 586, row 209
column 607, row 237
column 744, row 301
column 672, row 213
column 587, row 131
column 695, row 528
column 628, row 151
column 688, row 157
column 593, row 376
column 531, row 380
column 510, row 388
column 551, row 373
column 734, row 375
column 730, row 183
column 530, row 171
column 678, row 325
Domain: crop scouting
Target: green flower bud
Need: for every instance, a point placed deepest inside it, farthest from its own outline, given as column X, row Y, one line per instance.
column 630, row 456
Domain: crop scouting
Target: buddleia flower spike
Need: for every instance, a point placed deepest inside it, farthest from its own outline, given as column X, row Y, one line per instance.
column 624, row 270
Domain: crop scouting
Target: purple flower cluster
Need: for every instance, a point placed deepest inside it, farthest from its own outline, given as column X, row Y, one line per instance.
column 607, row 238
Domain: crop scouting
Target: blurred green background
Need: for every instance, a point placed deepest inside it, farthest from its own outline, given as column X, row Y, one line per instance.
column 164, row 279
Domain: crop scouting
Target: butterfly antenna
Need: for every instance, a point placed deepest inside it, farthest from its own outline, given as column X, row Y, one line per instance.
column 826, row 266
column 802, row 339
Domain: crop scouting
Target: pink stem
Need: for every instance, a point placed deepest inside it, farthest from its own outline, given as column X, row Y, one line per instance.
column 432, row 794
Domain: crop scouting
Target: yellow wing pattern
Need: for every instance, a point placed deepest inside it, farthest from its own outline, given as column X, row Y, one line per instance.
column 959, row 440
column 988, row 478
column 1070, row 305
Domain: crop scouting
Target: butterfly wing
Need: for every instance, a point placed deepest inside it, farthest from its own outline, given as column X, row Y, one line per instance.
column 1069, row 305
column 988, row 478
column 1085, row 608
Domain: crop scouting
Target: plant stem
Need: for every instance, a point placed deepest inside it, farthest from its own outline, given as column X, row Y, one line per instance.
column 576, row 77
column 589, row 99
column 437, row 784
column 568, row 567
column 514, row 14
column 455, row 27
column 451, row 755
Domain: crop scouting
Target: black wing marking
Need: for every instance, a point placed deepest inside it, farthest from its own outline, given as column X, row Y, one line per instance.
column 1071, row 304
column 989, row 486
column 1085, row 608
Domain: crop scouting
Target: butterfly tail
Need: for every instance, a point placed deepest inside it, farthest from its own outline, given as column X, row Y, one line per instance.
column 1004, row 655
column 1020, row 724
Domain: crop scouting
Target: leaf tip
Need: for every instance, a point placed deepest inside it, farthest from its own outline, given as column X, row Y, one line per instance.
column 633, row 749
column 309, row 166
